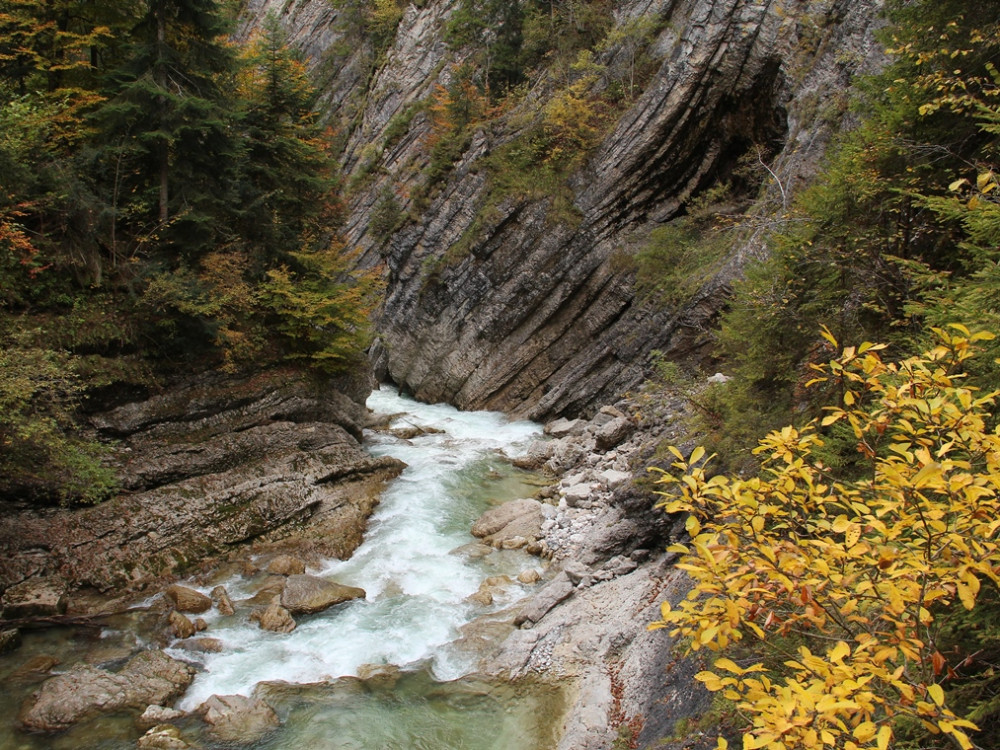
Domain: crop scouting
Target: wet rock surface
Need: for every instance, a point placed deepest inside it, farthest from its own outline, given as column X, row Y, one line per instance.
column 187, row 600
column 149, row 678
column 585, row 622
column 237, row 718
column 307, row 595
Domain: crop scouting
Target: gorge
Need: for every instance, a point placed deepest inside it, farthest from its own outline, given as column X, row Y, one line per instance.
column 546, row 211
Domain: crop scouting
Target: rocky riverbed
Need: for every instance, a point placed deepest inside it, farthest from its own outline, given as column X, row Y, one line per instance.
column 600, row 576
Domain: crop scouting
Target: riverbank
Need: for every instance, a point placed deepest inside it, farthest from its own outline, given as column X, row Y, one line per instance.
column 567, row 629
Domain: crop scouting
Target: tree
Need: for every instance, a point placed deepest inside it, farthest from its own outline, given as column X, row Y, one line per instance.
column 286, row 177
column 167, row 123
column 862, row 251
column 853, row 586
column 41, row 455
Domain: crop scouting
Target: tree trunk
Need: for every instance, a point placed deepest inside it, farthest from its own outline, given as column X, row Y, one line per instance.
column 161, row 82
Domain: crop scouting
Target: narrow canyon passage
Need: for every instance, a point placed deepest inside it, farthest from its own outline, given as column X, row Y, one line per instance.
column 392, row 670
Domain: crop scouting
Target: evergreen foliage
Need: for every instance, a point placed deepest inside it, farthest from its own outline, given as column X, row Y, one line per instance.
column 163, row 196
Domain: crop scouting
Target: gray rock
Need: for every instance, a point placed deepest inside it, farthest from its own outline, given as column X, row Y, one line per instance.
column 577, row 572
column 236, row 718
column 579, row 496
column 306, row 594
column 614, row 479
column 85, row 691
column 556, row 591
column 272, row 587
column 215, row 462
column 529, row 576
column 286, row 565
column 186, row 599
column 201, row 645
column 560, row 428
column 222, row 601
column 535, row 457
column 613, row 433
column 517, row 522
column 35, row 597
column 481, row 597
column 180, row 625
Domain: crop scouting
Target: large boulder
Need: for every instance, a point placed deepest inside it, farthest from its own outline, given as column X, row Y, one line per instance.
column 517, row 520
column 35, row 597
column 188, row 600
column 86, row 691
column 236, row 718
column 306, row 594
column 613, row 433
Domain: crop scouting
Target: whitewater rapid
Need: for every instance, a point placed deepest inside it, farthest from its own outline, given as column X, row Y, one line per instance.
column 416, row 564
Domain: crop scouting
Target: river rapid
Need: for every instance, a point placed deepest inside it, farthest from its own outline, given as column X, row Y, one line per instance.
column 392, row 670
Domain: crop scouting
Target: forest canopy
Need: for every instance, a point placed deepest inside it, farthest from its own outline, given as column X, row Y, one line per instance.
column 165, row 194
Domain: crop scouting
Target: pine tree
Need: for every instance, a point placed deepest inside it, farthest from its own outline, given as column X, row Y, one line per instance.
column 169, row 121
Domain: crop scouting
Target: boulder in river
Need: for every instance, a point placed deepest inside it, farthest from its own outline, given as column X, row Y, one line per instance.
column 162, row 737
column 86, row 691
column 274, row 617
column 286, row 565
column 236, row 718
column 188, row 600
column 35, row 597
column 155, row 716
column 222, row 601
column 180, row 625
column 519, row 518
column 306, row 594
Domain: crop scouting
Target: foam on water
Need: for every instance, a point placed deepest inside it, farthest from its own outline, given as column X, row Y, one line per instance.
column 416, row 583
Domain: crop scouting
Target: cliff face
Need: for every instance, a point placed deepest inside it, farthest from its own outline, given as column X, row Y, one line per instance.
column 208, row 468
column 508, row 303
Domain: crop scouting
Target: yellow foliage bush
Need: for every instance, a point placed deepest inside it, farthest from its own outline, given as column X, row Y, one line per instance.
column 863, row 572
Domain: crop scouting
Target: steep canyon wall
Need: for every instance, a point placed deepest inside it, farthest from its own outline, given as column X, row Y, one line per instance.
column 507, row 299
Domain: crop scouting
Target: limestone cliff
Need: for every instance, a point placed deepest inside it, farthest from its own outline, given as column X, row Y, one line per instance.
column 208, row 467
column 508, row 303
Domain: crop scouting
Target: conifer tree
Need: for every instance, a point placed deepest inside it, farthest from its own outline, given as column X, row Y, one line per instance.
column 169, row 120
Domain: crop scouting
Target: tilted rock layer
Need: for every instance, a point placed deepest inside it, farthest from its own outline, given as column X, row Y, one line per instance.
column 207, row 466
column 517, row 309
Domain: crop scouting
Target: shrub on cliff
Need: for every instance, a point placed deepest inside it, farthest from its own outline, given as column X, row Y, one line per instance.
column 872, row 601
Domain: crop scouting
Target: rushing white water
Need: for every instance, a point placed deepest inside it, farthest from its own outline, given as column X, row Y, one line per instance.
column 411, row 565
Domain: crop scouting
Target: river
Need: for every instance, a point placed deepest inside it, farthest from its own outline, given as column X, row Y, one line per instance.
column 392, row 670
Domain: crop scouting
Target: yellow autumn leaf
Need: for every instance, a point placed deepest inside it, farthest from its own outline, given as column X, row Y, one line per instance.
column 936, row 692
column 852, row 535
column 864, row 731
column 966, row 595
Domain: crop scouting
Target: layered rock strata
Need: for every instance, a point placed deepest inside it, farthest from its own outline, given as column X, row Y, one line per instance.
column 519, row 308
column 217, row 463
